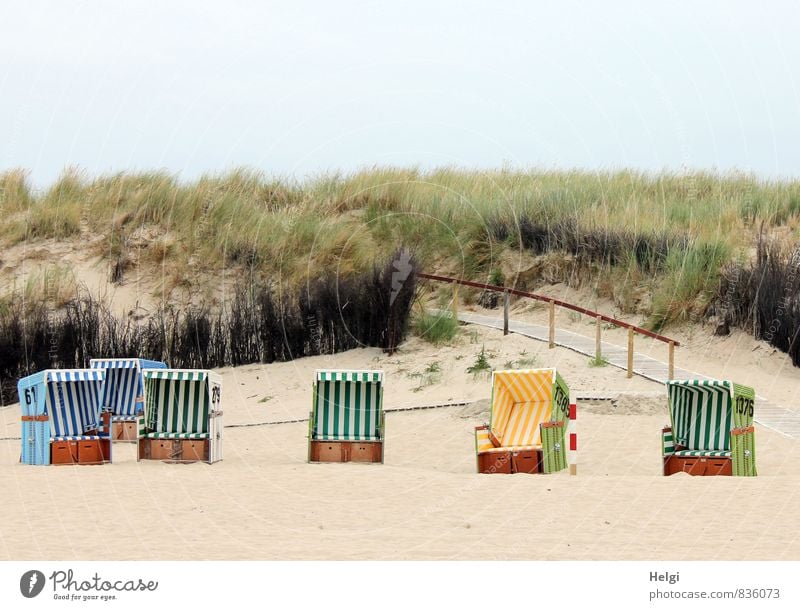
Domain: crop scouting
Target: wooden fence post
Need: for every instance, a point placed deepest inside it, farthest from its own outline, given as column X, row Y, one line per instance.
column 598, row 350
column 552, row 324
column 454, row 304
column 630, row 353
column 671, row 374
column 506, row 301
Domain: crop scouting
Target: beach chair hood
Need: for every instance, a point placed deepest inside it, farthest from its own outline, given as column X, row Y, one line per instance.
column 123, row 389
column 521, row 401
column 347, row 406
column 704, row 412
column 711, row 419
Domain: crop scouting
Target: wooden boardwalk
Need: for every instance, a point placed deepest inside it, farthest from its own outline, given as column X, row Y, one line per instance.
column 767, row 414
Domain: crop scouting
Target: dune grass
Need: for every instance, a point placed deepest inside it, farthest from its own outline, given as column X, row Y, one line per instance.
column 436, row 328
column 668, row 233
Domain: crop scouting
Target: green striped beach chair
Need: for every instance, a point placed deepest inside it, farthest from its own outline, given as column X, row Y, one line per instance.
column 182, row 418
column 347, row 420
column 711, row 431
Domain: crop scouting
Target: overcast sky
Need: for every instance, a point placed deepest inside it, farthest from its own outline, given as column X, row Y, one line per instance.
column 297, row 88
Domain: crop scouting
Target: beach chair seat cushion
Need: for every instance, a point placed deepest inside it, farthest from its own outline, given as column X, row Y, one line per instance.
column 513, row 448
column 363, row 438
column 177, row 435
column 124, row 418
column 701, row 453
column 84, row 437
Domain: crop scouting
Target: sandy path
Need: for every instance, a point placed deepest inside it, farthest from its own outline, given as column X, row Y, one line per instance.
column 264, row 502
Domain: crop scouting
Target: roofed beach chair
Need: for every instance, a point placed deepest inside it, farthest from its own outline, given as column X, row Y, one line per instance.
column 347, row 422
column 182, row 420
column 711, row 430
column 123, row 393
column 528, row 423
column 61, row 420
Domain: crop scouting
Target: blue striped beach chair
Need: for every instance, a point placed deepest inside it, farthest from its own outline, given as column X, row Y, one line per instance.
column 182, row 420
column 122, row 394
column 347, row 423
column 61, row 419
column 711, row 429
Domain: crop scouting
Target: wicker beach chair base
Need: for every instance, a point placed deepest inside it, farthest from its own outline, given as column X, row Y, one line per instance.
column 370, row 452
column 173, row 450
column 87, row 452
column 698, row 466
column 528, row 461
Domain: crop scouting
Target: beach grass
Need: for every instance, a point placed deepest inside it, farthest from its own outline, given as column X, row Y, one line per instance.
column 436, row 328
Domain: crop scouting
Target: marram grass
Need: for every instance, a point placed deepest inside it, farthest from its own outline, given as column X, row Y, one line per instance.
column 669, row 233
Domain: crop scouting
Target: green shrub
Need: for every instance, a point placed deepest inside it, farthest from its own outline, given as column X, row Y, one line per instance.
column 436, row 328
column 481, row 364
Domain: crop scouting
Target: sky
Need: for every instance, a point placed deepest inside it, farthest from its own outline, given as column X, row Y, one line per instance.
column 302, row 88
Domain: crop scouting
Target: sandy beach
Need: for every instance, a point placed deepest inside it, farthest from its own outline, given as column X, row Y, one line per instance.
column 426, row 502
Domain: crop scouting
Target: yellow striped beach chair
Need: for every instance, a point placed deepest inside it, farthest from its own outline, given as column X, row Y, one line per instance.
column 711, row 429
column 528, row 422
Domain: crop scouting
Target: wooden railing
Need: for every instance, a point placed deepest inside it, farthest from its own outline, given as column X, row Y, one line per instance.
column 553, row 303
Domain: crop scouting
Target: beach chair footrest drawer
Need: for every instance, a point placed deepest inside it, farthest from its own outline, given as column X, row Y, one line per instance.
column 529, row 462
column 699, row 466
column 64, row 452
column 124, row 430
column 495, row 463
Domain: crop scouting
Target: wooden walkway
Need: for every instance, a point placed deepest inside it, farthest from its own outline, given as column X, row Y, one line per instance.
column 767, row 414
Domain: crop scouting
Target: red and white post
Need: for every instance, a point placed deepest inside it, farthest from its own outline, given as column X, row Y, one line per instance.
column 573, row 440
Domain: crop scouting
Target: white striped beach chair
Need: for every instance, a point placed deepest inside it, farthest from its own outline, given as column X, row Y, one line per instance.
column 528, row 423
column 182, row 420
column 122, row 394
column 347, row 423
column 61, row 419
column 711, row 429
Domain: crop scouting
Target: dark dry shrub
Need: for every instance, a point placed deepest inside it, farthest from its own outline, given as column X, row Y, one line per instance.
column 497, row 228
column 595, row 245
column 533, row 235
column 763, row 297
column 260, row 324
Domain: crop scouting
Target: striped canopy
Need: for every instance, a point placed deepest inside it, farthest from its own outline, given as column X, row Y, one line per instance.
column 702, row 413
column 177, row 402
column 72, row 401
column 123, row 383
column 347, row 405
column 521, row 401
